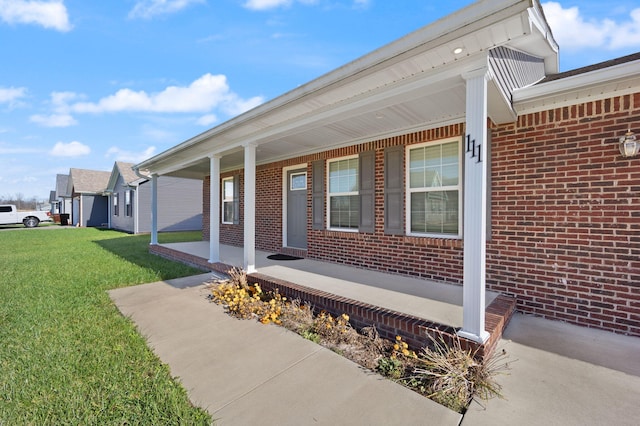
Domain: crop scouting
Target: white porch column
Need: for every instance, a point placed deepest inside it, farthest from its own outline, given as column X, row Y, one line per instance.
column 250, row 208
column 475, row 207
column 214, row 209
column 154, row 209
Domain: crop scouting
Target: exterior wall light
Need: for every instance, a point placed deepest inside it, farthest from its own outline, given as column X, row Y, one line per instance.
column 629, row 146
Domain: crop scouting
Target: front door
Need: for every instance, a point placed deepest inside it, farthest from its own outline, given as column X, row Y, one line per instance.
column 297, row 208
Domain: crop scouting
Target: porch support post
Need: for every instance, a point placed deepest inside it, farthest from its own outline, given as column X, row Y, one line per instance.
column 475, row 207
column 214, row 210
column 250, row 208
column 154, row 209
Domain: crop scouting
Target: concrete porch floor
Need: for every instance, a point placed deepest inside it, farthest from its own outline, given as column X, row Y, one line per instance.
column 396, row 305
column 434, row 301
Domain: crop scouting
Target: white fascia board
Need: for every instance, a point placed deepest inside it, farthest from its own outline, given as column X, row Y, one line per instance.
column 442, row 31
column 580, row 81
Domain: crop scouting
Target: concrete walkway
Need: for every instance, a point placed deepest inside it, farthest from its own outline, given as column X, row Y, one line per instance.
column 246, row 373
column 566, row 375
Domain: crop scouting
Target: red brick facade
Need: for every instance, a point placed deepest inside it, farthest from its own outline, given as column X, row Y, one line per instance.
column 565, row 216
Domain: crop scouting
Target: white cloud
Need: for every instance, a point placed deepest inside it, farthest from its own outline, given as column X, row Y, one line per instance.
column 361, row 4
column 573, row 31
column 54, row 120
column 147, row 9
column 71, row 149
column 129, row 156
column 266, row 4
column 203, row 95
column 207, row 120
column 273, row 4
column 8, row 150
column 12, row 95
column 236, row 106
column 49, row 14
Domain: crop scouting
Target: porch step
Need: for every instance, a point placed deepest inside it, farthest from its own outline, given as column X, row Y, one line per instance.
column 389, row 323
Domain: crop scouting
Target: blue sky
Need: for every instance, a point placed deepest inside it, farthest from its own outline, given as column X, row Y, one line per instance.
column 84, row 83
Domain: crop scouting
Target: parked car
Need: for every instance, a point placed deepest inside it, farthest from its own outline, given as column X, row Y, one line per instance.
column 10, row 215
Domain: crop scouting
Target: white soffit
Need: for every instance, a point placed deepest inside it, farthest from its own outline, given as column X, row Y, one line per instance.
column 407, row 81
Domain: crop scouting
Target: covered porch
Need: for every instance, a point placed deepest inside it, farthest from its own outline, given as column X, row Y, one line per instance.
column 397, row 305
column 374, row 119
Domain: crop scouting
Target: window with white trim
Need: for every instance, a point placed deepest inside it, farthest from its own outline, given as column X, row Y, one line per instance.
column 344, row 203
column 227, row 200
column 128, row 206
column 115, row 204
column 434, row 192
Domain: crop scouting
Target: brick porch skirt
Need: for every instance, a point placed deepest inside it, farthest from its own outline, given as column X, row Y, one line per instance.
column 388, row 323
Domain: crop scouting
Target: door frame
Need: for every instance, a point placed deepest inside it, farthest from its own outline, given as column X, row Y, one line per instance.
column 285, row 187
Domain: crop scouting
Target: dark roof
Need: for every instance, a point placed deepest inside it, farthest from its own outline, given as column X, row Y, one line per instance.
column 61, row 185
column 89, row 181
column 589, row 68
column 126, row 171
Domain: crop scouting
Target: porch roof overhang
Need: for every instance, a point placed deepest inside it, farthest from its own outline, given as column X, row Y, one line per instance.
column 411, row 84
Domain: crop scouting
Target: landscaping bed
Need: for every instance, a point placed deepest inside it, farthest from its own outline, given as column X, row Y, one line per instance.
column 443, row 371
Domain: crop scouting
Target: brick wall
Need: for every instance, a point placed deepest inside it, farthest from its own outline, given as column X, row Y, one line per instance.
column 429, row 258
column 565, row 217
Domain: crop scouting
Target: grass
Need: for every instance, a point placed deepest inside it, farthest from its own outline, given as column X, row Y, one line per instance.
column 67, row 355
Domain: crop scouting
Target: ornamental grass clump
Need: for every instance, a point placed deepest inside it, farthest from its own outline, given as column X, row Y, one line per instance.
column 453, row 376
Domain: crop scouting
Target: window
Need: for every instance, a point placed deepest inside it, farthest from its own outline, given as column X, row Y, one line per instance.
column 298, row 181
column 115, row 204
column 228, row 192
column 344, row 201
column 434, row 190
column 128, row 206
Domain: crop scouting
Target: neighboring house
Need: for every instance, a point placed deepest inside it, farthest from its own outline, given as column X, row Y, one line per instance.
column 457, row 153
column 90, row 207
column 130, row 202
column 60, row 200
column 53, row 203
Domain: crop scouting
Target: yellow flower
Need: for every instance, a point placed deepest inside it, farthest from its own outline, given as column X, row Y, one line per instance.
column 396, row 347
column 398, row 338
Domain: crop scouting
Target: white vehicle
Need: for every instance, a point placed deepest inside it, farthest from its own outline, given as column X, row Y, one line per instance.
column 10, row 215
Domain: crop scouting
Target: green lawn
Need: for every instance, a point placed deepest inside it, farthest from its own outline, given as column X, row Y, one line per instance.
column 67, row 356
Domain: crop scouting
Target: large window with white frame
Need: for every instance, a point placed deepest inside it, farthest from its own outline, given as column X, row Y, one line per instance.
column 227, row 200
column 434, row 189
column 344, row 203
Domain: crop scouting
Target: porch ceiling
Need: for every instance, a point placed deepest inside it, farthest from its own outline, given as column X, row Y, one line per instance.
column 414, row 83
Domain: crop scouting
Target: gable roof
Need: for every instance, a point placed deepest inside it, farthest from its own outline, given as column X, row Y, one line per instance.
column 84, row 181
column 126, row 171
column 62, row 181
column 120, row 168
column 414, row 83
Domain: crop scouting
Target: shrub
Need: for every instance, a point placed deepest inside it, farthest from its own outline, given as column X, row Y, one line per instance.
column 247, row 301
column 452, row 376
